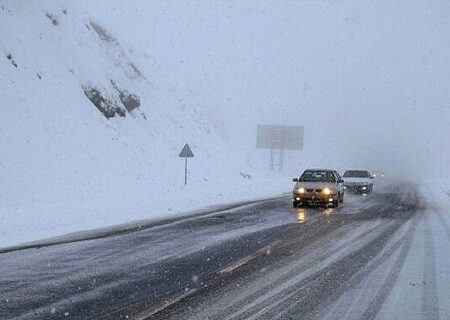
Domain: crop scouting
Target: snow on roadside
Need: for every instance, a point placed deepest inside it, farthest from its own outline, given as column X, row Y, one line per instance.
column 421, row 289
column 142, row 205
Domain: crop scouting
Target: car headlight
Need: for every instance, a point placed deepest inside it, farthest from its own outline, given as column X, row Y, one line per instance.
column 326, row 191
column 301, row 190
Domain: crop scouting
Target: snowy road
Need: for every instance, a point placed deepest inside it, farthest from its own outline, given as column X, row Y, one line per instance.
column 381, row 256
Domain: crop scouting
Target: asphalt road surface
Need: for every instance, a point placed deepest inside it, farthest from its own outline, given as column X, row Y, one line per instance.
column 259, row 261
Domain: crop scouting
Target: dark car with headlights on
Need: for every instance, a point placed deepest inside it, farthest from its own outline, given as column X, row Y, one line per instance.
column 321, row 187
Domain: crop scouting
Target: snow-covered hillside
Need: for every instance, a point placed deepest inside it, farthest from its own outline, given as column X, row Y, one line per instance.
column 91, row 130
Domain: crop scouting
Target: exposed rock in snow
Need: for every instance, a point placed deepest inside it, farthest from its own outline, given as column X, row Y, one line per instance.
column 102, row 33
column 9, row 57
column 108, row 107
column 129, row 100
column 53, row 18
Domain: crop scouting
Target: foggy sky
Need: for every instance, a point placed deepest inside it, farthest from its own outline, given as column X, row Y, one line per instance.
column 369, row 80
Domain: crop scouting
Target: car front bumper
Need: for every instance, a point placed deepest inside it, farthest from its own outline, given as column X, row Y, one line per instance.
column 314, row 199
column 360, row 188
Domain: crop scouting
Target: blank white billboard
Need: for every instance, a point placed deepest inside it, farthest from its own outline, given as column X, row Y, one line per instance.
column 280, row 137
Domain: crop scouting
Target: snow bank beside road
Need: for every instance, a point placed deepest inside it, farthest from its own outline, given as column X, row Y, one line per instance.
column 60, row 218
column 423, row 283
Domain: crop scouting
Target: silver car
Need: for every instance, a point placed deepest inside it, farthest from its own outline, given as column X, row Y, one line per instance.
column 360, row 181
column 323, row 187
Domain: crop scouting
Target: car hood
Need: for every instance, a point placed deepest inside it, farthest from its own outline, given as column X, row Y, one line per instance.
column 357, row 180
column 314, row 185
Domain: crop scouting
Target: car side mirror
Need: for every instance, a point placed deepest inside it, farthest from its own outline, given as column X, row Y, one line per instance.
column 341, row 181
column 295, row 180
column 371, row 177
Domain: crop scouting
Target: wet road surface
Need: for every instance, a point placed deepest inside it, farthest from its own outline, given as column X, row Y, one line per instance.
column 261, row 261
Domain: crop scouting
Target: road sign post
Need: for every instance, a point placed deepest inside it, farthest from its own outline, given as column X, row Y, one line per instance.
column 185, row 170
column 186, row 153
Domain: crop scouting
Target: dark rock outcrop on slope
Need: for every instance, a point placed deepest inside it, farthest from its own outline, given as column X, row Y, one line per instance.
column 102, row 33
column 129, row 100
column 10, row 58
column 53, row 18
column 107, row 107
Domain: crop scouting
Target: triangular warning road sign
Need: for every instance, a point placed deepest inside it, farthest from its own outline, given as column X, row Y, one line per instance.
column 186, row 152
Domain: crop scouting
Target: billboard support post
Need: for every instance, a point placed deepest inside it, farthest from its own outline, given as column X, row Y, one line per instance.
column 278, row 139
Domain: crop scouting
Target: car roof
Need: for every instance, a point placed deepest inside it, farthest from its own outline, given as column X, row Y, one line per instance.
column 357, row 170
column 319, row 169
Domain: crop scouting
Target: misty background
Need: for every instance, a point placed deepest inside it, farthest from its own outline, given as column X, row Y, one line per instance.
column 369, row 80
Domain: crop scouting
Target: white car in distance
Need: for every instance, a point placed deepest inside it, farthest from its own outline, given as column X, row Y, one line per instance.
column 360, row 181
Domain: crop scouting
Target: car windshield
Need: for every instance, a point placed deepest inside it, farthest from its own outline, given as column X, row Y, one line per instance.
column 356, row 174
column 317, row 176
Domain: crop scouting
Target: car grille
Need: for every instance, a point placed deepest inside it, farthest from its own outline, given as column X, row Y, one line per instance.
column 312, row 190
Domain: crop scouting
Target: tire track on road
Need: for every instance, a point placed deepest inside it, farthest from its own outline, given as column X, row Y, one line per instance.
column 338, row 276
column 444, row 224
column 430, row 301
column 304, row 297
column 386, row 288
